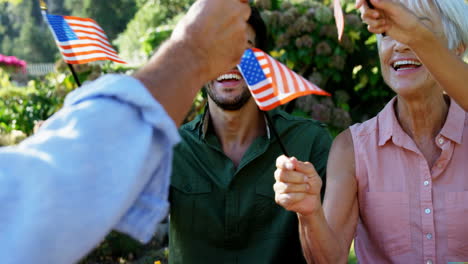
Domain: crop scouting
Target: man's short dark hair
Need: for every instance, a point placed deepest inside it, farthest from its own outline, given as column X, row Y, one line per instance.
column 258, row 25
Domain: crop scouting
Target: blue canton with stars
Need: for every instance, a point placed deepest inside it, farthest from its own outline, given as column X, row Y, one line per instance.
column 251, row 69
column 61, row 28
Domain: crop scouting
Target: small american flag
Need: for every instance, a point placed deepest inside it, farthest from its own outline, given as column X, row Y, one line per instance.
column 270, row 82
column 81, row 40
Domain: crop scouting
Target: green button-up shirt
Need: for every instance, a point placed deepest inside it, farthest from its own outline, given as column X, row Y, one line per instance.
column 226, row 214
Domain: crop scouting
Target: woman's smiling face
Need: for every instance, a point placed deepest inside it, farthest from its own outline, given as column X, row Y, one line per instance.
column 401, row 68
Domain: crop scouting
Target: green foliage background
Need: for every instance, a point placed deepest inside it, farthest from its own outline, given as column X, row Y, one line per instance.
column 303, row 36
column 20, row 107
column 305, row 39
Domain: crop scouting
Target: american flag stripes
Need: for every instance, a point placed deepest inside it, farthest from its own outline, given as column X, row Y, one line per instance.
column 270, row 82
column 81, row 40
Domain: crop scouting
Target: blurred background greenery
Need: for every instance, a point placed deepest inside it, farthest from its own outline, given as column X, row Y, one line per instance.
column 303, row 36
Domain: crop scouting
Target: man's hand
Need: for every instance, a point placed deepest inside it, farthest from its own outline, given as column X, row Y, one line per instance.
column 297, row 186
column 214, row 31
column 207, row 42
column 395, row 20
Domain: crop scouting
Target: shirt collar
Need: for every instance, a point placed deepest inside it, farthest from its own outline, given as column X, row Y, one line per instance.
column 205, row 123
column 385, row 121
column 390, row 127
column 455, row 123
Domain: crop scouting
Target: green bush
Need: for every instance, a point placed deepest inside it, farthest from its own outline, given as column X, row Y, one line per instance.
column 152, row 24
column 21, row 107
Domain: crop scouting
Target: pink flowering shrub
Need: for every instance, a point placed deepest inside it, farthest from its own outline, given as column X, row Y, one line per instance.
column 12, row 64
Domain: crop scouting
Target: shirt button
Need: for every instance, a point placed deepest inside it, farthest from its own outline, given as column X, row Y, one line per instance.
column 426, row 183
column 427, row 211
column 429, row 236
column 429, row 261
column 441, row 141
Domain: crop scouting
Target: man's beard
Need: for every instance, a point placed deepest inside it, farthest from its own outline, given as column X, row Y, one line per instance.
column 230, row 104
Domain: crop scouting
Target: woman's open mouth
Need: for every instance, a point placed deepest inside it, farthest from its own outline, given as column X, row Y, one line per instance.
column 404, row 65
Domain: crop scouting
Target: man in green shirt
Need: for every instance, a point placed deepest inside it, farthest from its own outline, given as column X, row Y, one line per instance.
column 222, row 199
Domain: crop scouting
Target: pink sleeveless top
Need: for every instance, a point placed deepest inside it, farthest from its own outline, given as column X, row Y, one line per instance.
column 408, row 212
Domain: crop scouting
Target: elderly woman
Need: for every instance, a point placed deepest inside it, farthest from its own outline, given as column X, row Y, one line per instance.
column 398, row 183
column 427, row 44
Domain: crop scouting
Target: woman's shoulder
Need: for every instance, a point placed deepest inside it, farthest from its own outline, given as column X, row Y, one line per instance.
column 365, row 128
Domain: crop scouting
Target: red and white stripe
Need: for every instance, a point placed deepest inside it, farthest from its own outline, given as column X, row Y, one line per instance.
column 92, row 44
column 282, row 84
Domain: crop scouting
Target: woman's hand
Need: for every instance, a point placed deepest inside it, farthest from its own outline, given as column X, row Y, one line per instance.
column 395, row 20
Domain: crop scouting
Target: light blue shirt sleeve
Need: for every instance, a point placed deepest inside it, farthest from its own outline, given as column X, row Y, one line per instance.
column 102, row 162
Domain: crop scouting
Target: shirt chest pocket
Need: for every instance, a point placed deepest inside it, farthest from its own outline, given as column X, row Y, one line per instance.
column 386, row 217
column 456, row 204
column 189, row 199
column 270, row 219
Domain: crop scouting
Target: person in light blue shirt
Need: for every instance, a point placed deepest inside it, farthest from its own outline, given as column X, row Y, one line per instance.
column 103, row 161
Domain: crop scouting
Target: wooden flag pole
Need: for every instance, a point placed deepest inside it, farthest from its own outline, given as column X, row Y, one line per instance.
column 275, row 132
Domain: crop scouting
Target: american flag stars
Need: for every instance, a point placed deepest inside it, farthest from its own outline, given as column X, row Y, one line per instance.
column 270, row 82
